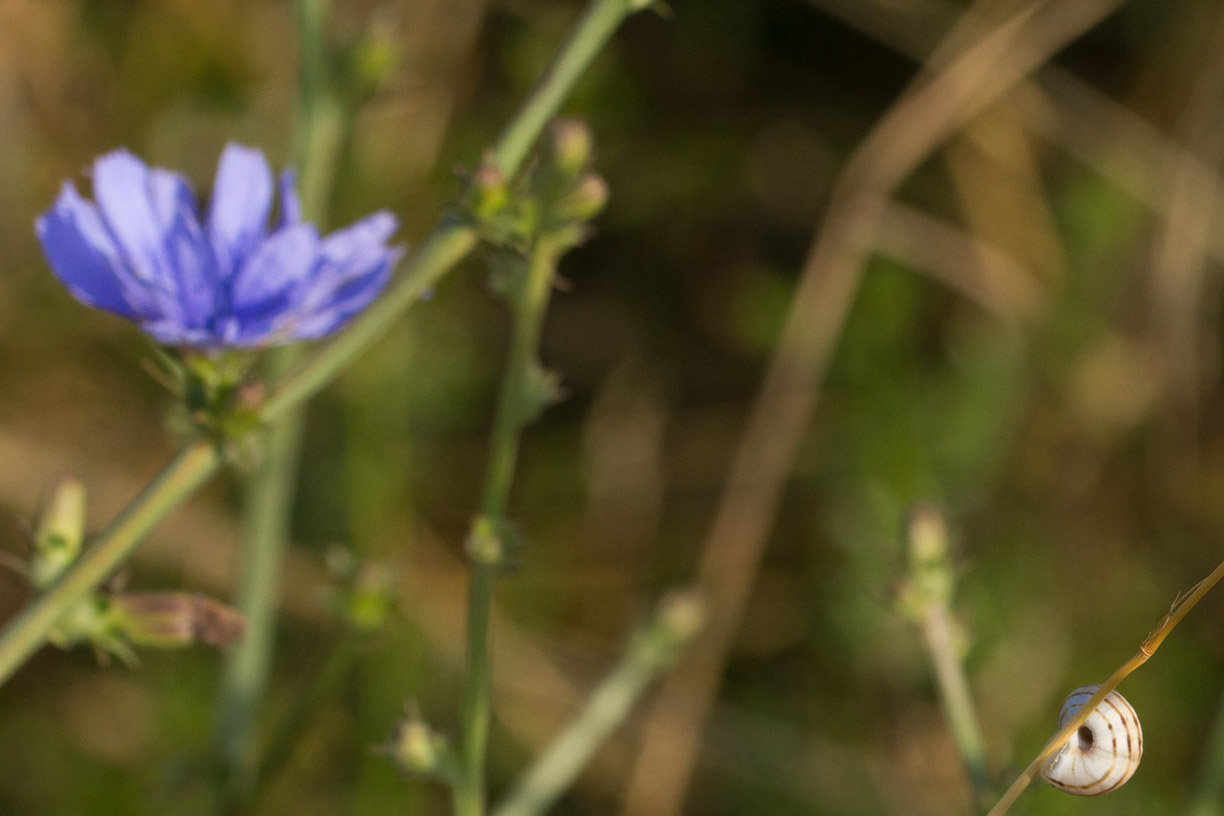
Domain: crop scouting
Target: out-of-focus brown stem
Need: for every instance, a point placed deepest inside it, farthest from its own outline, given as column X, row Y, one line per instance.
column 929, row 111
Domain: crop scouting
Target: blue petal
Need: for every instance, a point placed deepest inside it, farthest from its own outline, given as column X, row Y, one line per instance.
column 190, row 259
column 347, row 301
column 83, row 257
column 350, row 253
column 291, row 205
column 123, row 189
column 270, row 279
column 241, row 201
column 355, row 266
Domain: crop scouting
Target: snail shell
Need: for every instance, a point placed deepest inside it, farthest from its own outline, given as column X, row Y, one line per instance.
column 1103, row 753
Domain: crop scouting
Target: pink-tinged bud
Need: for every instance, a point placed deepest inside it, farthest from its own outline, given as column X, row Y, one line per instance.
column 586, row 200
column 488, row 194
column 174, row 619
column 571, row 145
column 59, row 531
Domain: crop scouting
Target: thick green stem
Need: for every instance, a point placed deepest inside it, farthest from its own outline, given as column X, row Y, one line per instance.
column 193, row 466
column 529, row 305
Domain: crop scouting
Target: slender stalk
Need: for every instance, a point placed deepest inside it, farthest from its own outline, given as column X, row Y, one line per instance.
column 193, row 466
column 598, row 22
column 1146, row 650
column 270, row 488
column 651, row 652
column 957, row 704
column 269, row 500
column 528, row 307
column 449, row 243
column 926, row 599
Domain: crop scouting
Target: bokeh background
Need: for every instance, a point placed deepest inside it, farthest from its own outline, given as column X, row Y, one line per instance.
column 1035, row 349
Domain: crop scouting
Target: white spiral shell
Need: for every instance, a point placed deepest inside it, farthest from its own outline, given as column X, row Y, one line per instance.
column 1103, row 753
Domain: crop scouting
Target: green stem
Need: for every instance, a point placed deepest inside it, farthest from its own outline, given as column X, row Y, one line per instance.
column 957, row 704
column 193, row 466
column 529, row 305
column 651, row 652
column 601, row 19
column 269, row 500
column 449, row 243
column 270, row 488
column 926, row 599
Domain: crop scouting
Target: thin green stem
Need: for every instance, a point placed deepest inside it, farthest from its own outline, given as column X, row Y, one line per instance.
column 193, row 466
column 958, row 707
column 270, row 488
column 449, row 243
column 651, row 652
column 269, row 500
column 926, row 599
column 529, row 306
column 598, row 22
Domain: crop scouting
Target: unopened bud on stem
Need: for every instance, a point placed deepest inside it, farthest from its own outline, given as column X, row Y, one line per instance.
column 59, row 531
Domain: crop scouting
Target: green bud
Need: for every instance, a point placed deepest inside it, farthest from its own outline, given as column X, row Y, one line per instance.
column 487, row 192
column 927, row 534
column 418, row 749
column 493, row 542
column 59, row 531
column 585, row 201
column 571, row 146
column 365, row 596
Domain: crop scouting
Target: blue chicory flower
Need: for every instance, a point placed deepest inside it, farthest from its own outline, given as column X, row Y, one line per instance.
column 142, row 252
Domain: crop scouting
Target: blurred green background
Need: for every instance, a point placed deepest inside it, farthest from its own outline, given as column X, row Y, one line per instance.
column 1058, row 397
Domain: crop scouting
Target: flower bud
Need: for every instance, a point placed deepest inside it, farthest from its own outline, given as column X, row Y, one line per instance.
column 418, row 749
column 494, row 542
column 169, row 620
column 487, row 192
column 585, row 200
column 571, row 146
column 59, row 531
column 927, row 534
